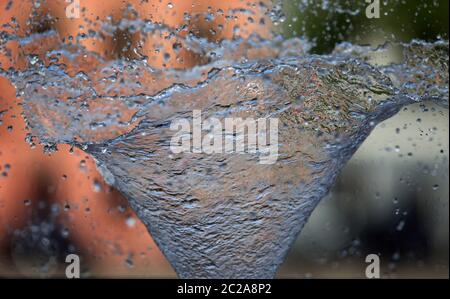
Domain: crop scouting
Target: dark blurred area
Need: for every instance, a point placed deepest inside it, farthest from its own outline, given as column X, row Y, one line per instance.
column 392, row 198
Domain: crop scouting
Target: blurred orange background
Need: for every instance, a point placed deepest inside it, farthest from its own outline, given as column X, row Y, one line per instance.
column 94, row 217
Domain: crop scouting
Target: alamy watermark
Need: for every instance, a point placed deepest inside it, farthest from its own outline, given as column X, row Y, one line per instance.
column 227, row 136
column 373, row 269
column 373, row 9
column 73, row 269
column 73, row 9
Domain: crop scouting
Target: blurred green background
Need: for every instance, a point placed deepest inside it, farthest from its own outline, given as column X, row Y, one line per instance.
column 329, row 22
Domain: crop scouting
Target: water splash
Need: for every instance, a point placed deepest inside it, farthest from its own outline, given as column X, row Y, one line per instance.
column 217, row 216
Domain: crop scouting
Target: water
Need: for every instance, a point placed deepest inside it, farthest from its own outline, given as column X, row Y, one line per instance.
column 217, row 216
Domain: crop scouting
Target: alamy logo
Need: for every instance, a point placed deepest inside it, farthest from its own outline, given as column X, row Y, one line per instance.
column 73, row 9
column 373, row 9
column 232, row 136
column 373, row 269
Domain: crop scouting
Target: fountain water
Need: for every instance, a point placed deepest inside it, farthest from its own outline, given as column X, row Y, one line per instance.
column 221, row 216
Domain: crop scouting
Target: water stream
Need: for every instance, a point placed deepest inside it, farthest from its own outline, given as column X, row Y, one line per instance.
column 220, row 215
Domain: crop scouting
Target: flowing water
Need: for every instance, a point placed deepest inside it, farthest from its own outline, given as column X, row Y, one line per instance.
column 220, row 215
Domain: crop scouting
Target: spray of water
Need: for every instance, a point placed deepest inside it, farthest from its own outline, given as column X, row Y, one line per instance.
column 217, row 216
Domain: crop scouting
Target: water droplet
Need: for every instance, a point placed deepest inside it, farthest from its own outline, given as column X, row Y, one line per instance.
column 97, row 186
column 400, row 225
column 130, row 222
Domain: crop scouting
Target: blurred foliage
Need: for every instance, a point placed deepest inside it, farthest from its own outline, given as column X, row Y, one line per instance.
column 327, row 22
